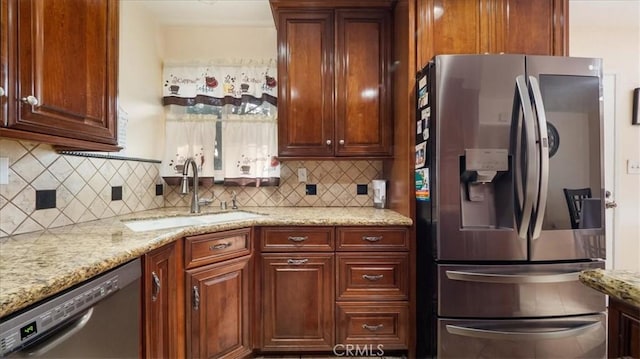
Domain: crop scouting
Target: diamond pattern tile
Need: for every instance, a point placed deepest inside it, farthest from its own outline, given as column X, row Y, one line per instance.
column 83, row 187
column 336, row 184
column 82, row 184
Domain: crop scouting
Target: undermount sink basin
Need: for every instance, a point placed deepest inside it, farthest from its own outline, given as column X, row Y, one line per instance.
column 142, row 225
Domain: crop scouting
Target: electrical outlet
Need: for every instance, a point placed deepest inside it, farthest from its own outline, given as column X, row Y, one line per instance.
column 633, row 167
column 302, row 174
column 4, row 170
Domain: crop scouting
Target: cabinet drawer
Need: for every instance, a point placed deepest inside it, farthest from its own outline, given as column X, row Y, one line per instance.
column 287, row 239
column 215, row 247
column 373, row 323
column 372, row 239
column 374, row 276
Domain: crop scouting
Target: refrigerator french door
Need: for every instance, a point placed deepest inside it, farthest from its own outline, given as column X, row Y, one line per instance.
column 504, row 136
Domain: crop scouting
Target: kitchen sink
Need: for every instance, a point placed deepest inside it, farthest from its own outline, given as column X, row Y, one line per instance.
column 191, row 220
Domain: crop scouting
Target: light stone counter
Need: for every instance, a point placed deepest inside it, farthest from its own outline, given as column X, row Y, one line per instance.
column 619, row 284
column 36, row 265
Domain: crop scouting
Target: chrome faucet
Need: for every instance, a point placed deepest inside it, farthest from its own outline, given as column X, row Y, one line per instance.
column 195, row 202
column 234, row 204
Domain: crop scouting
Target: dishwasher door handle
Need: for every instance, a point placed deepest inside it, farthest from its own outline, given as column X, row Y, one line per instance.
column 60, row 337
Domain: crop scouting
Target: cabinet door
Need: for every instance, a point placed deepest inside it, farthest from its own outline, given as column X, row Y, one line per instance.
column 624, row 330
column 491, row 26
column 305, row 72
column 449, row 27
column 4, row 59
column 363, row 52
column 298, row 302
column 383, row 325
column 218, row 305
column 530, row 27
column 67, row 60
column 161, row 303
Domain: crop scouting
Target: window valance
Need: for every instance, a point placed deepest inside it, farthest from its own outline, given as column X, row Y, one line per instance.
column 220, row 83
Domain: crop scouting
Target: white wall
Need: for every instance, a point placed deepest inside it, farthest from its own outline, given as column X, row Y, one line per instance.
column 610, row 29
column 140, row 81
column 185, row 44
column 145, row 46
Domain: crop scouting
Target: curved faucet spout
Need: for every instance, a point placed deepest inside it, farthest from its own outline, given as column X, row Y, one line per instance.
column 195, row 205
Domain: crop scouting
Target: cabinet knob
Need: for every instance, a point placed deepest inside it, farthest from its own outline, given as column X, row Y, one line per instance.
column 341, row 142
column 328, row 142
column 31, row 100
column 1, row 91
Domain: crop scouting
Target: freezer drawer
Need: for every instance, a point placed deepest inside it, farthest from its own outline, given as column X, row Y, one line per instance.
column 569, row 337
column 531, row 290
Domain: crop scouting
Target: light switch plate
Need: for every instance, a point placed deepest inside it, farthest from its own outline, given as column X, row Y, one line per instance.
column 633, row 167
column 302, row 174
column 4, row 170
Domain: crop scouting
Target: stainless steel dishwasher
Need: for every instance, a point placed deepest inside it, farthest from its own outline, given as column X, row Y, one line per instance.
column 99, row 318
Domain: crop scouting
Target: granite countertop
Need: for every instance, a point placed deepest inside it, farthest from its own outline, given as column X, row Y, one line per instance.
column 36, row 265
column 619, row 284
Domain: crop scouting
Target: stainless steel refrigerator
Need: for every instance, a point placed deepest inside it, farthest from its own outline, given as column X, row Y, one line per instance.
column 509, row 207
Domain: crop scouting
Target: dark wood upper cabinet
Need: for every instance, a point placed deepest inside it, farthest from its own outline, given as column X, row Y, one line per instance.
column 305, row 69
column 363, row 50
column 61, row 72
column 491, row 26
column 333, row 68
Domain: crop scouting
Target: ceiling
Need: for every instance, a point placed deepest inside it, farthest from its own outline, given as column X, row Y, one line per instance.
column 210, row 12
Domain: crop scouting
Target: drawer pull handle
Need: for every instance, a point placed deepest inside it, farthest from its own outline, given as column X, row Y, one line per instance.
column 196, row 298
column 372, row 328
column 220, row 246
column 298, row 238
column 297, row 261
column 372, row 278
column 156, row 286
column 372, row 238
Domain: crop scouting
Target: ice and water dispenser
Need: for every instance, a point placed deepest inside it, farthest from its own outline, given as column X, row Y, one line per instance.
column 486, row 188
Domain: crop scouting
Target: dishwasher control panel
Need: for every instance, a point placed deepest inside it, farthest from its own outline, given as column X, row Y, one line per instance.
column 63, row 309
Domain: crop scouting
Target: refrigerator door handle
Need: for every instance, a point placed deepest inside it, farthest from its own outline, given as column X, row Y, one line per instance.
column 524, row 190
column 513, row 278
column 543, row 153
column 569, row 329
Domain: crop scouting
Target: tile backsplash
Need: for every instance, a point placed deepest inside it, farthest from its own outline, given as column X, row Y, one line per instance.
column 83, row 187
column 89, row 188
column 336, row 186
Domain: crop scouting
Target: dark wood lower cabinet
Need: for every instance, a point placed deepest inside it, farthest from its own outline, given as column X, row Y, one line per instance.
column 162, row 315
column 218, row 306
column 624, row 330
column 297, row 302
column 210, row 296
column 383, row 325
